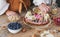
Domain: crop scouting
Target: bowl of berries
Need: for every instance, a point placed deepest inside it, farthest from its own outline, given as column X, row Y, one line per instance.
column 14, row 27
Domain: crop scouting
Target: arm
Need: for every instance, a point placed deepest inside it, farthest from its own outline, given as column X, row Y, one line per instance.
column 23, row 4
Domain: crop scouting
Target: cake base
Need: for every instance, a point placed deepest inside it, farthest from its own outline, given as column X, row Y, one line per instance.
column 38, row 26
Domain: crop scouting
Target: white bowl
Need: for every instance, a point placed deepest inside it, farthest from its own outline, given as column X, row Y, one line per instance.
column 14, row 31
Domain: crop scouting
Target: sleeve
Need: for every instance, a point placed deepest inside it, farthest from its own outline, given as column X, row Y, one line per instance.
column 38, row 2
column 54, row 1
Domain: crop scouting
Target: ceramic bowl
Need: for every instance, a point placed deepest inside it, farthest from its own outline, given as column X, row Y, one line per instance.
column 14, row 27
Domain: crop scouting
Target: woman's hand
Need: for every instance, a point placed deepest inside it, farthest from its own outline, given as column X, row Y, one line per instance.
column 44, row 8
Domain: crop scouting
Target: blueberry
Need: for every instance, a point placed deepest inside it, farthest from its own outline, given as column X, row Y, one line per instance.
column 14, row 26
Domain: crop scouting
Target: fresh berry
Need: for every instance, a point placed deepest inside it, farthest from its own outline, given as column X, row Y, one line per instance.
column 14, row 26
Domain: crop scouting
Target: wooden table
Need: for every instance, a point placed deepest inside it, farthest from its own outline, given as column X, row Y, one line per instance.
column 4, row 22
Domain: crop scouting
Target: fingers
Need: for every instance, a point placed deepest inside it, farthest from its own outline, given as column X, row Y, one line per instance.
column 20, row 7
column 44, row 8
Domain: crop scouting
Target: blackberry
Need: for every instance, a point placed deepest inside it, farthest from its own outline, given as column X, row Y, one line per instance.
column 36, row 20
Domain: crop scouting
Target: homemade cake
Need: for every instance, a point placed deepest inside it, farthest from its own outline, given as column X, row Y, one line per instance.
column 36, row 17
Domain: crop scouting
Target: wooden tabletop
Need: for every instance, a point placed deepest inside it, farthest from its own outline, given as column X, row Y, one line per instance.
column 4, row 22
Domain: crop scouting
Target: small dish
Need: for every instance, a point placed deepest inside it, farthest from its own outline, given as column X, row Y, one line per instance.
column 14, row 27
